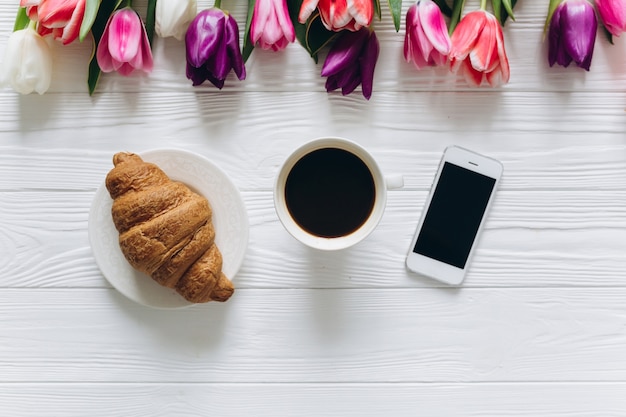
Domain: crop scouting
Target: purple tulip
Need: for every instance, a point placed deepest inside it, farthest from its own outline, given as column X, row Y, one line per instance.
column 351, row 61
column 212, row 43
column 572, row 34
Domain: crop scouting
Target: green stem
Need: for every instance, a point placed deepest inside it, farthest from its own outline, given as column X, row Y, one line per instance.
column 218, row 4
column 483, row 4
column 32, row 25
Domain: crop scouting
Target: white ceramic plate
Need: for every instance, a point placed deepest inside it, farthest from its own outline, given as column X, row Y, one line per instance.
column 229, row 219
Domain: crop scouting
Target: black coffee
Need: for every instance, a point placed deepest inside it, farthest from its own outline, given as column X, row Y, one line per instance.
column 330, row 192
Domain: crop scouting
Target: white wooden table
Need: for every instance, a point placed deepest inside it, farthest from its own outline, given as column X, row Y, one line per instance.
column 538, row 327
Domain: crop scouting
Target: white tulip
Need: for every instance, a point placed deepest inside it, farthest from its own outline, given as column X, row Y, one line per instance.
column 27, row 63
column 173, row 17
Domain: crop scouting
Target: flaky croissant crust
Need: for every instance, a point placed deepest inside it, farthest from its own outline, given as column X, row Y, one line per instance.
column 166, row 230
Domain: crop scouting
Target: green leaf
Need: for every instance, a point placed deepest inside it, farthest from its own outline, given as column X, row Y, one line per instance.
column 150, row 19
column 312, row 34
column 443, row 6
column 97, row 29
column 551, row 8
column 248, row 46
column 497, row 9
column 609, row 35
column 317, row 36
column 21, row 20
column 457, row 12
column 395, row 6
column 377, row 9
column 508, row 10
column 91, row 11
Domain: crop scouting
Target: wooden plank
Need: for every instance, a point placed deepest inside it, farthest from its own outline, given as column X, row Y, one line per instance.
column 344, row 400
column 533, row 238
column 376, row 335
column 294, row 70
column 540, row 144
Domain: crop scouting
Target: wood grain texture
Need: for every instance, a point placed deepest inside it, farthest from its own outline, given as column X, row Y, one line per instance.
column 341, row 400
column 537, row 329
column 375, row 335
column 533, row 238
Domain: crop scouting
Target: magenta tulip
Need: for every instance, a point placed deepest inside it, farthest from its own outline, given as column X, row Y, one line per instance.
column 212, row 43
column 613, row 15
column 351, row 61
column 572, row 34
column 426, row 41
column 124, row 46
column 271, row 26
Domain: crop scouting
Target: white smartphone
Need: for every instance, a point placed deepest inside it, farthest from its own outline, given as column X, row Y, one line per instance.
column 458, row 202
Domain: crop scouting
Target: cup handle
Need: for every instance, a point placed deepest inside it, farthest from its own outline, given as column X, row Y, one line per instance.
column 394, row 181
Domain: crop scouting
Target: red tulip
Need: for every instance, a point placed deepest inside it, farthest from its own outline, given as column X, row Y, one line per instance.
column 61, row 18
column 124, row 46
column 337, row 15
column 478, row 49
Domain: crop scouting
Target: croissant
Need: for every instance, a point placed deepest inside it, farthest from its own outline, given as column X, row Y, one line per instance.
column 166, row 230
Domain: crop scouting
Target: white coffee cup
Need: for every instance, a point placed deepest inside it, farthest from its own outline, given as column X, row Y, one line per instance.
column 285, row 206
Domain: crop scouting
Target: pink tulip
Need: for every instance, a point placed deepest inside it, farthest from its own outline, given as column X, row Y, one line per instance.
column 613, row 14
column 61, row 18
column 337, row 15
column 124, row 46
column 271, row 26
column 426, row 41
column 478, row 49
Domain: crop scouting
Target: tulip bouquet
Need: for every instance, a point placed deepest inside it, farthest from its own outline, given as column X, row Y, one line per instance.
column 437, row 33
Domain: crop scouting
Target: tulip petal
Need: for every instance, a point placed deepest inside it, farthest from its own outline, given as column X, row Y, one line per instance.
column 484, row 54
column 307, row 8
column 197, row 75
column 284, row 20
column 362, row 11
column 204, row 35
column 105, row 62
column 434, row 26
column 613, row 14
column 465, row 34
column 72, row 29
column 172, row 17
column 263, row 9
column 421, row 45
column 56, row 13
column 232, row 45
column 579, row 26
column 504, row 69
column 472, row 76
column 344, row 52
column 367, row 63
column 351, row 84
column 334, row 14
column 411, row 23
column 219, row 63
column 125, row 31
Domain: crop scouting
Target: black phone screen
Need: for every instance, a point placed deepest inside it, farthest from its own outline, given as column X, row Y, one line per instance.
column 453, row 218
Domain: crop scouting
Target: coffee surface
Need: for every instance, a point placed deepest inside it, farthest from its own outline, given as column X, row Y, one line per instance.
column 330, row 192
